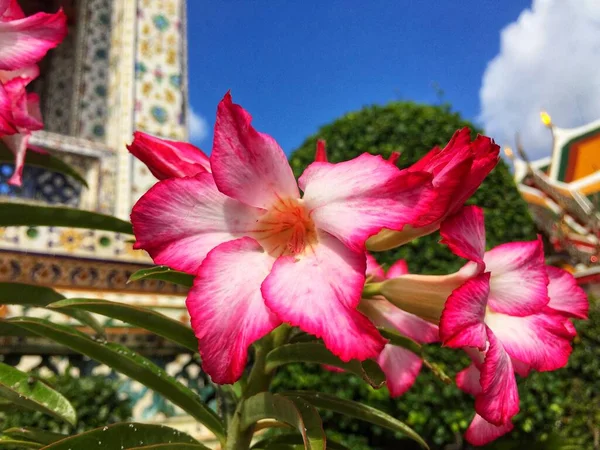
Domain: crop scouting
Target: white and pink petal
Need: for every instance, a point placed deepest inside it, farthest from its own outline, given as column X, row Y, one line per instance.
column 226, row 307
column 373, row 269
column 481, row 432
column 401, row 368
column 397, row 269
column 179, row 220
column 464, row 234
column 6, row 116
column 467, row 380
column 462, row 322
column 566, row 296
column 498, row 400
column 355, row 199
column 10, row 10
column 540, row 341
column 25, row 41
column 318, row 291
column 519, row 282
column 17, row 143
column 247, row 165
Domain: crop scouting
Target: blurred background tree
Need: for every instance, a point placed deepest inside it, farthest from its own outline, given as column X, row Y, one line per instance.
column 551, row 403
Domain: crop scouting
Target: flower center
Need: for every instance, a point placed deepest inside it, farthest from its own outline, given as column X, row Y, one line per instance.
column 286, row 229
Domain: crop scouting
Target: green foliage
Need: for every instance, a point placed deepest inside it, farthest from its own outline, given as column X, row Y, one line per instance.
column 414, row 129
column 95, row 398
column 21, row 391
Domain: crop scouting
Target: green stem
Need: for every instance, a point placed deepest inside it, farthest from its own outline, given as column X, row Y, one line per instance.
column 371, row 290
column 258, row 381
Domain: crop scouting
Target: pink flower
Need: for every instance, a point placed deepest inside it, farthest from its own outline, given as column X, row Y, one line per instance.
column 25, row 40
column 505, row 307
column 168, row 159
column 22, row 115
column 263, row 254
column 457, row 171
column 401, row 366
column 6, row 121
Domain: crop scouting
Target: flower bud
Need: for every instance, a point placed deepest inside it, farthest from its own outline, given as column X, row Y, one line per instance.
column 168, row 159
column 458, row 170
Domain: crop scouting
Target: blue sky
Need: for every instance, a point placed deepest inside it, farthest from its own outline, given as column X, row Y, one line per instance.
column 296, row 65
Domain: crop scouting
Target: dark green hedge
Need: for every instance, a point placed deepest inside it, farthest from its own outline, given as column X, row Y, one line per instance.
column 95, row 398
column 551, row 402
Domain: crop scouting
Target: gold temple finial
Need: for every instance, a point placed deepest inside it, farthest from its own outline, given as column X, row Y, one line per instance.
column 546, row 119
column 509, row 153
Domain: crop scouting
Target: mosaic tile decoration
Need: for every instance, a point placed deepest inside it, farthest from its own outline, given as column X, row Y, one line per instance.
column 160, row 74
column 74, row 242
column 40, row 185
column 159, row 66
column 58, row 81
column 94, row 161
column 62, row 272
column 121, row 99
column 94, row 57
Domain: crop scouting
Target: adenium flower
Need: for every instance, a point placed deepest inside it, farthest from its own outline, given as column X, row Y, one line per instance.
column 457, row 171
column 262, row 254
column 6, row 121
column 509, row 310
column 25, row 40
column 23, row 115
column 401, row 366
column 168, row 159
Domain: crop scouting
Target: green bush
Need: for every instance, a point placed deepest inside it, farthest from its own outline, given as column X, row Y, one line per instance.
column 550, row 402
column 95, row 398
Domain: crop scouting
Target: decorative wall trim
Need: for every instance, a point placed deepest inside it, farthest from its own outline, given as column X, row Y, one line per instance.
column 63, row 272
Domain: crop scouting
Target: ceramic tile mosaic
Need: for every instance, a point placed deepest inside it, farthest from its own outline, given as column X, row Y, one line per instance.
column 57, row 93
column 160, row 73
column 94, row 57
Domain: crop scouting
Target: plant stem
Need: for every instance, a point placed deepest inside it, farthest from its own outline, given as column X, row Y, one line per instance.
column 258, row 381
column 371, row 290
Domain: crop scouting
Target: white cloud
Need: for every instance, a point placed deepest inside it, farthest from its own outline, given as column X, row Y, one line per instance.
column 549, row 59
column 198, row 127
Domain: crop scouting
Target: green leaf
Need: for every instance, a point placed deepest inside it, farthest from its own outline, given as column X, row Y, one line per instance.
column 163, row 273
column 314, row 352
column 34, row 435
column 179, row 446
column 142, row 317
column 7, row 441
column 126, row 436
column 45, row 161
column 16, row 214
column 358, row 411
column 291, row 410
column 290, row 441
column 28, row 294
column 8, row 329
column 124, row 360
column 29, row 393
